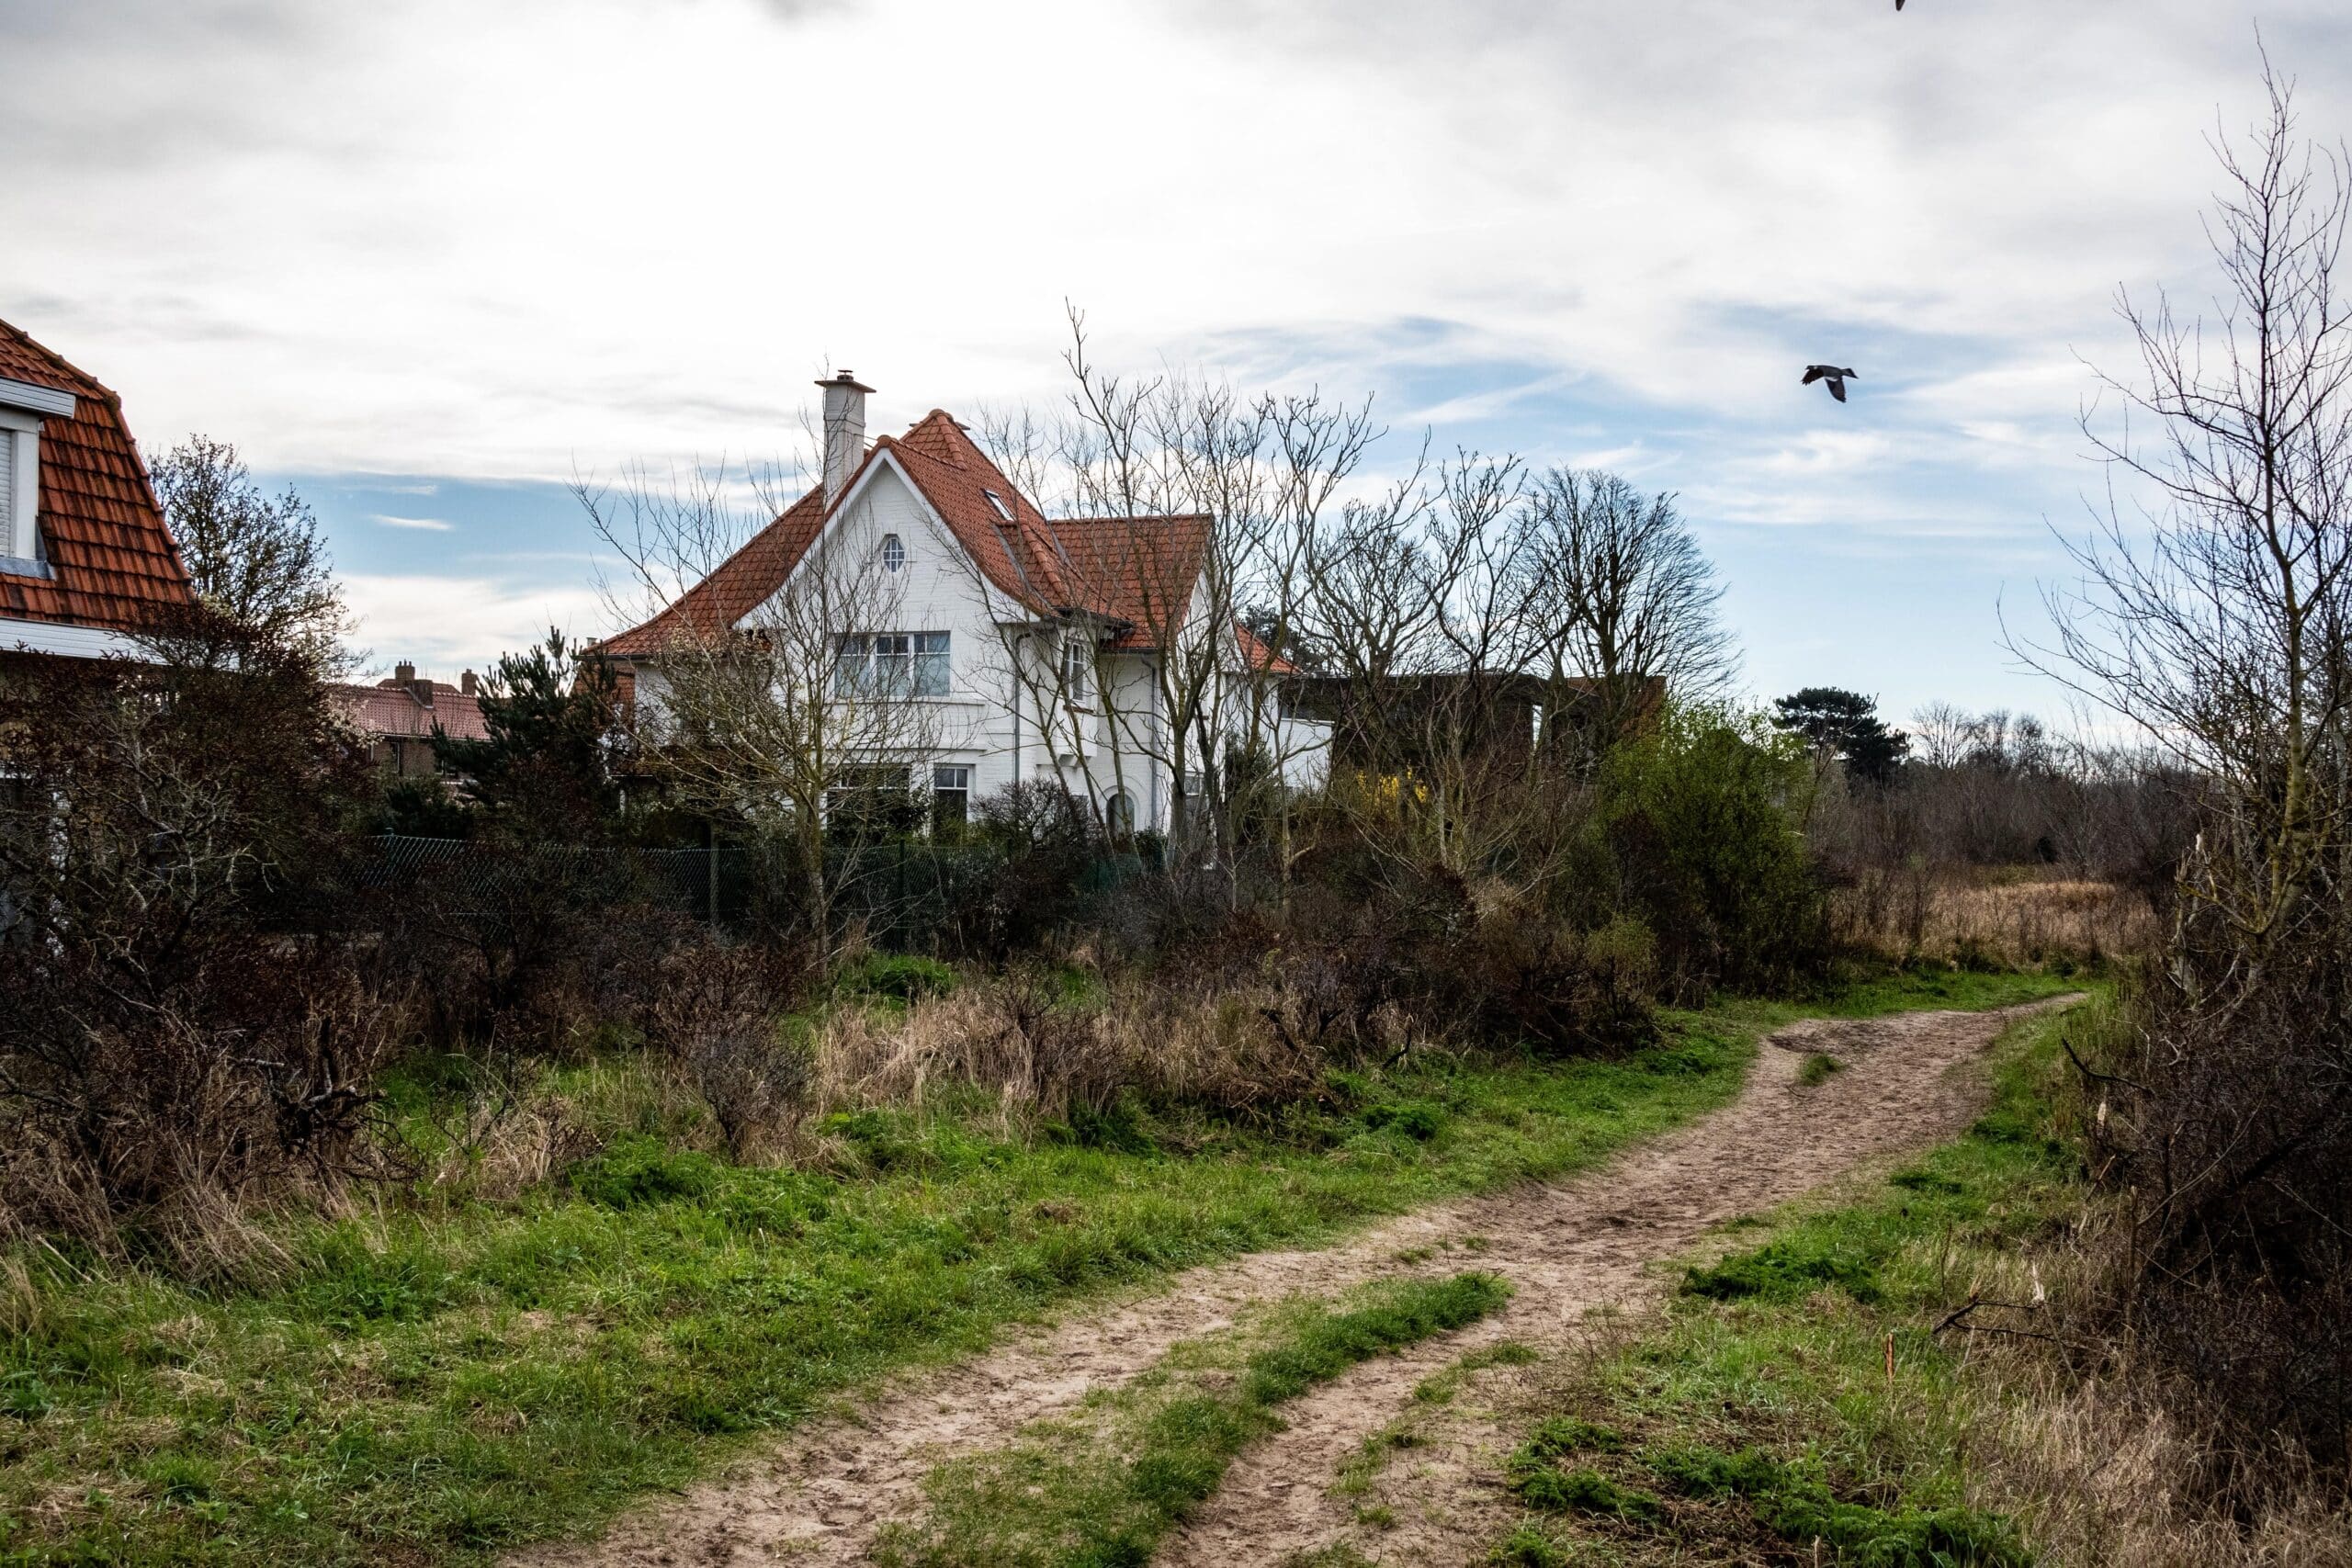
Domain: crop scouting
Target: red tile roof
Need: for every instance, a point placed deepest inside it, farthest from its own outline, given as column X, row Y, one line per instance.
column 1137, row 571
column 390, row 708
column 736, row 587
column 113, row 560
column 1259, row 654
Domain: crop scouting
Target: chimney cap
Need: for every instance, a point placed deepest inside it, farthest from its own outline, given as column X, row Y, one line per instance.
column 846, row 378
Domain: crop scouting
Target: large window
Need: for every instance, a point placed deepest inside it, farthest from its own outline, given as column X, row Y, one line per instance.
column 893, row 664
column 874, row 802
column 951, row 799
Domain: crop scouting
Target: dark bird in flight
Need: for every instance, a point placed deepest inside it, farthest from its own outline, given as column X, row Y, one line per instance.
column 1831, row 373
column 1898, row 4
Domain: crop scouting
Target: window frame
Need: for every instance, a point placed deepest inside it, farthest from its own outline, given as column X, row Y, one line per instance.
column 20, row 543
column 893, row 554
column 1078, row 672
column 943, row 787
column 901, row 665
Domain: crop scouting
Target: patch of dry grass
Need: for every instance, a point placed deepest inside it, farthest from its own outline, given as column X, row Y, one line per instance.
column 2017, row 917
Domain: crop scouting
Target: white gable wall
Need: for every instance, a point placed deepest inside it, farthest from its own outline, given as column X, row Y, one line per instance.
column 990, row 721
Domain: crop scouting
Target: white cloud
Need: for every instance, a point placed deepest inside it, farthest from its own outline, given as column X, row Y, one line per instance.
column 443, row 621
column 430, row 524
column 273, row 242
column 546, row 237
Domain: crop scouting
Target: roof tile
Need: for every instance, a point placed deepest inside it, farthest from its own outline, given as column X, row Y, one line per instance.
column 112, row 559
column 1139, row 571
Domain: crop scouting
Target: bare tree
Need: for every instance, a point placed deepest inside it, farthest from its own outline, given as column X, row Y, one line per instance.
column 2217, row 618
column 1187, row 507
column 1941, row 734
column 1426, row 614
column 786, row 715
column 1627, row 596
column 258, row 561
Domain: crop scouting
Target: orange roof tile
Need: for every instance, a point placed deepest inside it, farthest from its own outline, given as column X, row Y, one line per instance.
column 1258, row 654
column 390, row 708
column 1138, row 571
column 112, row 560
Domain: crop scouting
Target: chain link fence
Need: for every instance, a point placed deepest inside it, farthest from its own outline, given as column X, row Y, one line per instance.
column 908, row 895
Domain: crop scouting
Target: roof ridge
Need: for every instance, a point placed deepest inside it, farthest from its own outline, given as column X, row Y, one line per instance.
column 42, row 349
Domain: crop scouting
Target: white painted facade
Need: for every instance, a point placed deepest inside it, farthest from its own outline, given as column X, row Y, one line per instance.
column 1005, row 715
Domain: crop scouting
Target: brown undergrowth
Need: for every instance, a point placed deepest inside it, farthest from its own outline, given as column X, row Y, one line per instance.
column 2018, row 917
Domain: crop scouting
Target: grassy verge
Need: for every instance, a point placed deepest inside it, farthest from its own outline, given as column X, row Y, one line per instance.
column 1102, row 1489
column 415, row 1386
column 1798, row 1391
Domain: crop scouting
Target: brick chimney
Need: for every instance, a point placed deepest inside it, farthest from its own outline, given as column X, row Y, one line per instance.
column 469, row 683
column 403, row 674
column 844, row 432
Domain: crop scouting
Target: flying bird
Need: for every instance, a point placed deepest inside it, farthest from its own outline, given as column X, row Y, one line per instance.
column 1898, row 4
column 1831, row 373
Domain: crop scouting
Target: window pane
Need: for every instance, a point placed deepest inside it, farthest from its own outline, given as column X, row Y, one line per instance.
column 932, row 670
column 891, row 657
column 951, row 798
column 849, row 667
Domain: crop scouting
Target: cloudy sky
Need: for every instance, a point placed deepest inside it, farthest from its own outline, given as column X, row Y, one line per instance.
column 429, row 259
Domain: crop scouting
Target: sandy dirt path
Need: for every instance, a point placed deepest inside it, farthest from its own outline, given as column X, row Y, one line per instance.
column 1568, row 1248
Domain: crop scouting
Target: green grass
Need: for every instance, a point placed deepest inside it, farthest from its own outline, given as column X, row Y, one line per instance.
column 443, row 1380
column 1818, row 1069
column 1762, row 1416
column 1101, row 1490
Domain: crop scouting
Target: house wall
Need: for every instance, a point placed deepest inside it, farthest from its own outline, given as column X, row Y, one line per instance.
column 1001, row 716
column 1006, row 729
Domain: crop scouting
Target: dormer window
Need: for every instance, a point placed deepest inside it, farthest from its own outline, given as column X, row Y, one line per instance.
column 22, row 408
column 998, row 501
column 894, row 554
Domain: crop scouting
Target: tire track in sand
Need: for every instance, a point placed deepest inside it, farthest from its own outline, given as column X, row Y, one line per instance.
column 1567, row 1247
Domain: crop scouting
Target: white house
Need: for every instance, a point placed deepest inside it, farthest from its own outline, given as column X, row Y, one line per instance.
column 1068, row 649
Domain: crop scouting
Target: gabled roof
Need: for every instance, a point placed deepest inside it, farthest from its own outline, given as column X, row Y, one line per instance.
column 1257, row 653
column 1138, row 572
column 390, row 708
column 112, row 560
column 736, row 587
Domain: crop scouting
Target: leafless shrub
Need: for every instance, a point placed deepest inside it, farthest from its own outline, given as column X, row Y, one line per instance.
column 719, row 1017
column 2229, row 1127
column 2220, row 623
column 248, row 1084
column 169, row 1058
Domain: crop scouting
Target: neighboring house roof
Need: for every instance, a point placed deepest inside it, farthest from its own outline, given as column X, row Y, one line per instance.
column 1259, row 654
column 111, row 560
column 393, row 710
column 1138, row 572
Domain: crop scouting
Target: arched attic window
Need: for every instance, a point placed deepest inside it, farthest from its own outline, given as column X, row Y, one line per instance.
column 894, row 553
